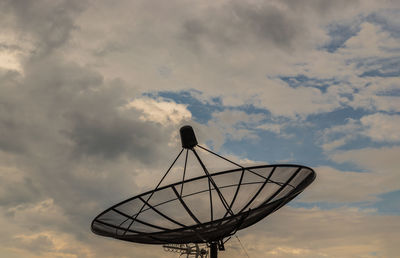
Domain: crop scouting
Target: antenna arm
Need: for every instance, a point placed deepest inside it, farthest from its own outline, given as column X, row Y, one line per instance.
column 224, row 202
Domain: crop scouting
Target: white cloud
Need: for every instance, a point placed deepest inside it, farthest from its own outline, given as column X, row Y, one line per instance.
column 335, row 186
column 232, row 124
column 378, row 127
column 275, row 128
column 371, row 41
column 379, row 160
column 283, row 100
column 380, row 176
column 375, row 94
column 381, row 127
column 232, row 118
column 338, row 135
column 279, row 127
column 160, row 111
column 9, row 61
column 380, row 166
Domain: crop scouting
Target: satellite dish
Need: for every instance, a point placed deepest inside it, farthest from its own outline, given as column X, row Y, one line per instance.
column 206, row 209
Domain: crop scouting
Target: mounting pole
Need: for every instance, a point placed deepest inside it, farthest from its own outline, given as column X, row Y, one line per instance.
column 213, row 250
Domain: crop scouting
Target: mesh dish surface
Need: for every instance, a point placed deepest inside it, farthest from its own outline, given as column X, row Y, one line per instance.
column 194, row 211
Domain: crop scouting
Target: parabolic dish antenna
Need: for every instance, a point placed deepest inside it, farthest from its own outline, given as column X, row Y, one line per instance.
column 205, row 209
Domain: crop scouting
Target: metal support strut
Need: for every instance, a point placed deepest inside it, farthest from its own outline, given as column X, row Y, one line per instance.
column 213, row 250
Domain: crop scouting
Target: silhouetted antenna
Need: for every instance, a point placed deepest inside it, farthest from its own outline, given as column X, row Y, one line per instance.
column 190, row 250
column 206, row 209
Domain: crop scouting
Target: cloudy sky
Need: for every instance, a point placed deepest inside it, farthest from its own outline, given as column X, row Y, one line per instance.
column 92, row 94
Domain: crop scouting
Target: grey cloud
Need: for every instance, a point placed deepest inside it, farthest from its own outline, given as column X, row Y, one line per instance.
column 38, row 245
column 64, row 128
column 269, row 23
column 49, row 23
column 27, row 191
column 320, row 7
column 32, row 104
column 334, row 232
column 57, row 100
column 108, row 48
column 387, row 20
column 242, row 24
column 110, row 137
column 89, row 114
column 63, row 108
column 9, row 47
column 9, row 125
column 284, row 25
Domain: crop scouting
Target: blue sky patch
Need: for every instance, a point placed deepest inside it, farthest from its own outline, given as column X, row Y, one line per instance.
column 386, row 19
column 389, row 203
column 339, row 34
column 383, row 67
column 304, row 81
column 298, row 142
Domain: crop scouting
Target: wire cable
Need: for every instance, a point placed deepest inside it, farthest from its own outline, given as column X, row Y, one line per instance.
column 144, row 204
column 244, row 249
